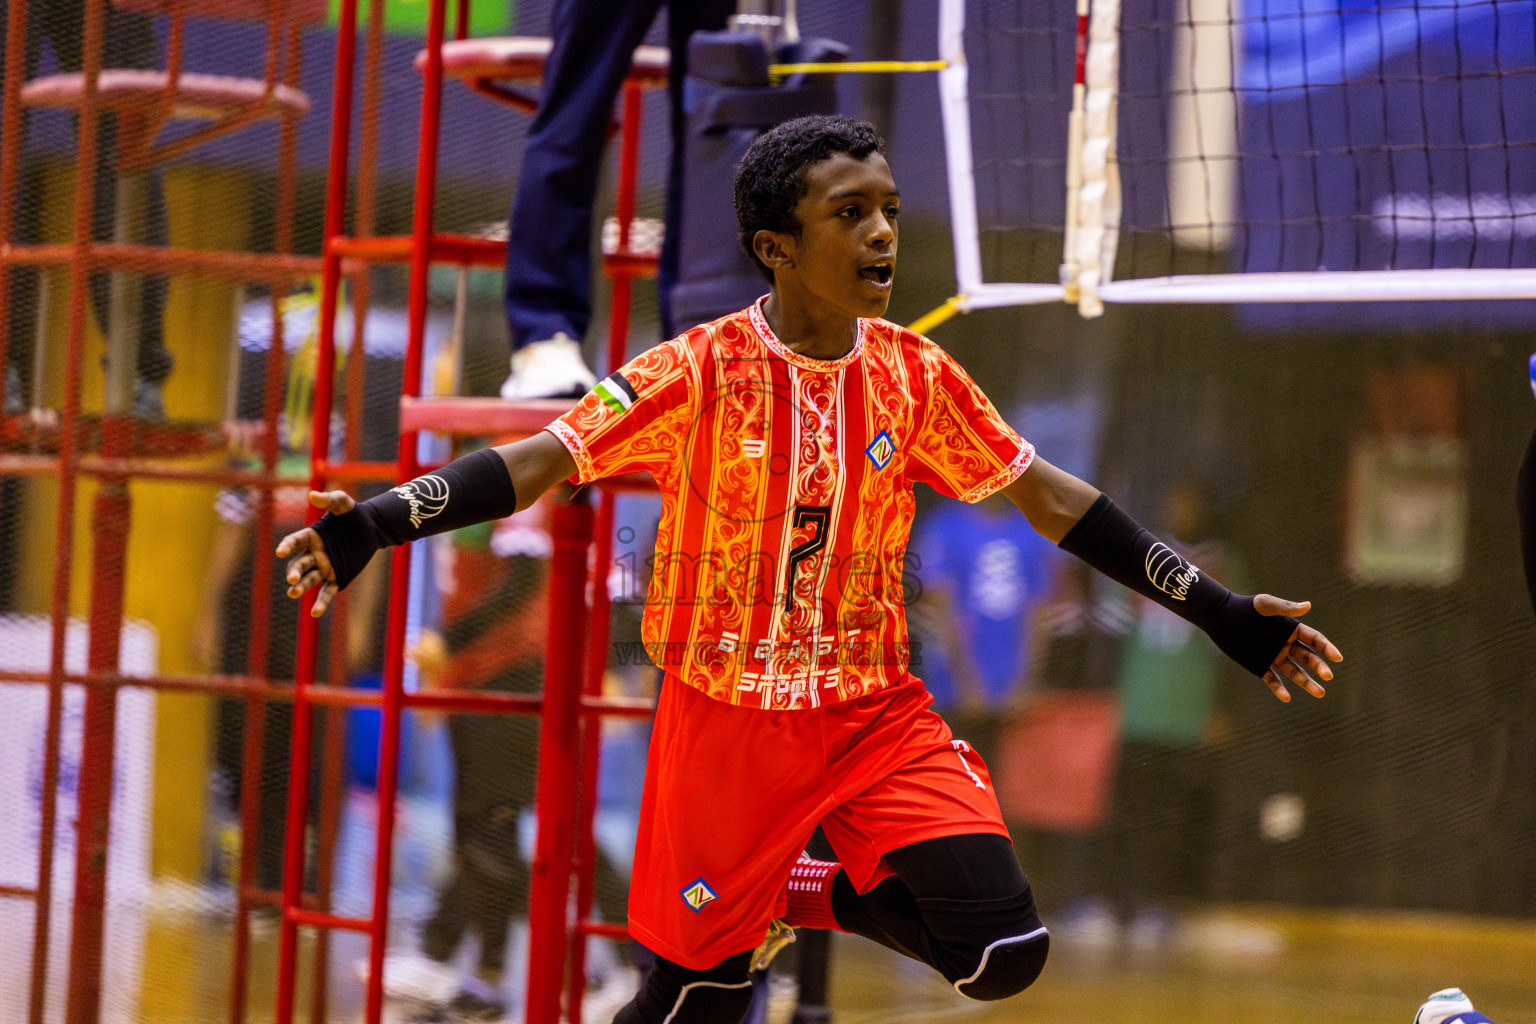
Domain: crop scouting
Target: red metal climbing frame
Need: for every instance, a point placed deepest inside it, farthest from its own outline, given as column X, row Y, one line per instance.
column 69, row 443
column 578, row 606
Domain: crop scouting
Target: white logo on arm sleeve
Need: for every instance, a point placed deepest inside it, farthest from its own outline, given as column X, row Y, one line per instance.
column 1169, row 572
column 427, row 496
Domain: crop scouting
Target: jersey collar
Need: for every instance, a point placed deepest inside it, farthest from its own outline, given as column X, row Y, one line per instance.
column 777, row 347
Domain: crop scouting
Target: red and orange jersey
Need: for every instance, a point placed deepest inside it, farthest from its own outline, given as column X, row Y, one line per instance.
column 780, row 577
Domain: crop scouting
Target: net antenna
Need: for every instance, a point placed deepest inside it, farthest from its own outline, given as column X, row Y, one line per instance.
column 1314, row 152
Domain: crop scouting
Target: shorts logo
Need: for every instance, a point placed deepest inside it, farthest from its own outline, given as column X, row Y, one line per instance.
column 616, row 392
column 427, row 496
column 1170, row 573
column 697, row 893
column 880, row 450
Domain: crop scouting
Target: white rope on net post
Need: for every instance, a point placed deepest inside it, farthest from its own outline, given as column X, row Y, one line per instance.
column 1098, row 196
column 1069, row 266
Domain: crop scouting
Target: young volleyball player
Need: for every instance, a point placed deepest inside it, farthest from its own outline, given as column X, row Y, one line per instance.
column 785, row 440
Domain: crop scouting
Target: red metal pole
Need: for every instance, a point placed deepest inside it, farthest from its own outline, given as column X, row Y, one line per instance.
column 550, row 884
column 603, row 929
column 590, row 739
column 394, row 650
column 319, row 919
column 85, row 166
column 363, row 220
column 597, row 646
column 304, row 670
column 146, row 259
column 109, row 526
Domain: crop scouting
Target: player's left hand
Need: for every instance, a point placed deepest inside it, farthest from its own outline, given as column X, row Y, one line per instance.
column 1302, row 656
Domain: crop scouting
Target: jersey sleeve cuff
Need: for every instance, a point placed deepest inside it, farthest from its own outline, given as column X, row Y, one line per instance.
column 1003, row 477
column 585, row 473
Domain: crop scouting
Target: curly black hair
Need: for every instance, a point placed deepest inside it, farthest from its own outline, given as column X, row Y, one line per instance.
column 770, row 180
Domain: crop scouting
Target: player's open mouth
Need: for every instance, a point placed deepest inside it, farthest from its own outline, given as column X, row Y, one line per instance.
column 879, row 274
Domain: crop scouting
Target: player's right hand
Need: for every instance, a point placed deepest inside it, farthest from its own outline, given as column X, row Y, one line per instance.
column 309, row 565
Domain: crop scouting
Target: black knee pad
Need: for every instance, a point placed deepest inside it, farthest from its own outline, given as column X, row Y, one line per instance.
column 1008, row 966
column 987, row 949
column 674, row 994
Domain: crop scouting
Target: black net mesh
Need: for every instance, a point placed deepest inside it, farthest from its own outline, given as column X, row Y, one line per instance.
column 1266, row 137
column 1021, row 60
column 1298, row 137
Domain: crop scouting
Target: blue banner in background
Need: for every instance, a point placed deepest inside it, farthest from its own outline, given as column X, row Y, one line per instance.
column 1388, row 136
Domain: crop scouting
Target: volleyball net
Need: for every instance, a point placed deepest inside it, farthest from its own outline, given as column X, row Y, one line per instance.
column 1222, row 151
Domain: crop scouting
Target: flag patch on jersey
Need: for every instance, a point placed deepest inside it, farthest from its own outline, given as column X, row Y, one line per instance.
column 880, row 450
column 697, row 893
column 616, row 392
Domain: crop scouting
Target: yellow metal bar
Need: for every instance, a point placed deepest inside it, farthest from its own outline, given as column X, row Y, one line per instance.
column 778, row 71
column 928, row 321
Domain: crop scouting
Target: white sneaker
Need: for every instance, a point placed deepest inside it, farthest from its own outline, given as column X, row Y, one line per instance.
column 414, row 976
column 1151, row 929
column 1449, row 1006
column 599, row 1005
column 552, row 368
column 783, row 998
column 1088, row 922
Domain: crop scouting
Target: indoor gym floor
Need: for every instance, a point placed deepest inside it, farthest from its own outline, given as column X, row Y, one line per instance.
column 1240, row 966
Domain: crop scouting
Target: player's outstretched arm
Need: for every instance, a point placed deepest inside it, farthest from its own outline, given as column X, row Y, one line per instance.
column 488, row 484
column 1260, row 633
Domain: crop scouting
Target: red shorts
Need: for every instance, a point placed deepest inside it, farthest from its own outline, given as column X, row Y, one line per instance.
column 733, row 793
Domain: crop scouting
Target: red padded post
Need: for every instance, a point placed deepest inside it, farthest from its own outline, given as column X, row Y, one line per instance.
column 549, row 888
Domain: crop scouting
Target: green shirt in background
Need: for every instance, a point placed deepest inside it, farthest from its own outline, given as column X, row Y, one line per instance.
column 1169, row 669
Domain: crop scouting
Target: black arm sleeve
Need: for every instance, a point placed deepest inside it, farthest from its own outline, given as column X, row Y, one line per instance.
column 470, row 490
column 1116, row 545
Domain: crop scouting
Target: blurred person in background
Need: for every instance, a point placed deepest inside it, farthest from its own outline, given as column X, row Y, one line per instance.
column 1078, row 633
column 549, row 242
column 1169, row 682
column 983, row 572
column 222, row 643
column 129, row 41
column 493, row 585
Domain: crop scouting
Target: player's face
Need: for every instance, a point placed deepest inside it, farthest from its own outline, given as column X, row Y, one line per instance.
column 846, row 252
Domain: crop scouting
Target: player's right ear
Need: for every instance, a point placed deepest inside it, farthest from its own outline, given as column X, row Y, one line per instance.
column 774, row 248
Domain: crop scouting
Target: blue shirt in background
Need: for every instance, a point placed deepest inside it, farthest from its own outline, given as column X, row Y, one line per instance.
column 996, row 569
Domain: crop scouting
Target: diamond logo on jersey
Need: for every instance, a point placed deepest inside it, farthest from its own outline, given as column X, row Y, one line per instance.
column 616, row 392
column 880, row 450
column 697, row 893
